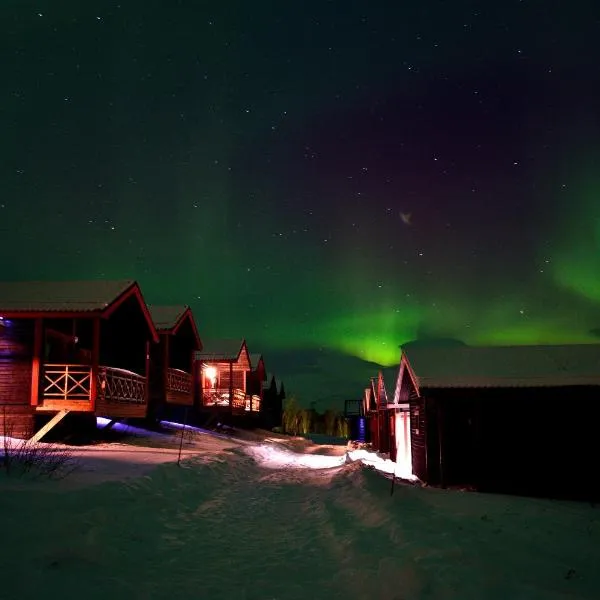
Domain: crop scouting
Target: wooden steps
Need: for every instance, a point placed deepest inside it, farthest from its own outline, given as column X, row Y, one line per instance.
column 55, row 420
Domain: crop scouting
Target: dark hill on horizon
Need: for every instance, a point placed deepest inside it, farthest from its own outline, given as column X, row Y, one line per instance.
column 327, row 377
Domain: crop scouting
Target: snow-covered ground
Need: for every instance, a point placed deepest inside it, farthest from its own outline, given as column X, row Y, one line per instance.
column 268, row 517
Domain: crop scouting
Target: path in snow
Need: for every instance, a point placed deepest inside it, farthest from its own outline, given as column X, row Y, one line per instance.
column 225, row 527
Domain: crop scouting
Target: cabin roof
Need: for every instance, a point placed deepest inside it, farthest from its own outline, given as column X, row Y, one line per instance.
column 221, row 350
column 28, row 299
column 60, row 296
column 168, row 319
column 270, row 380
column 504, row 366
column 254, row 360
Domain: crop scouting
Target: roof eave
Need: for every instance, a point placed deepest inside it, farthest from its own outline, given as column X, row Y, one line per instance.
column 133, row 290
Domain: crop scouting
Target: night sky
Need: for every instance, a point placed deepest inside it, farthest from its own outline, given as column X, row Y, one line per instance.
column 346, row 175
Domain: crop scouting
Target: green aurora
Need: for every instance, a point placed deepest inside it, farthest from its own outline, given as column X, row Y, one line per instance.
column 254, row 162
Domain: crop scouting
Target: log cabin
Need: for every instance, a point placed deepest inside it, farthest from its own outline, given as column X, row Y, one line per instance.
column 73, row 346
column 519, row 420
column 172, row 361
column 222, row 368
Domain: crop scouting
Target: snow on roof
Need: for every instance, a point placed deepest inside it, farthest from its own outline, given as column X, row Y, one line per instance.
column 504, row 366
column 60, row 296
column 166, row 317
column 225, row 350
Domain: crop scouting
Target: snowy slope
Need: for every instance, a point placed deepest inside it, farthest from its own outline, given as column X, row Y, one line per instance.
column 254, row 520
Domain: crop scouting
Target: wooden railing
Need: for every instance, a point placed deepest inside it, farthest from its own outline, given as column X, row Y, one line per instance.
column 252, row 403
column 239, row 400
column 73, row 383
column 179, row 381
column 220, row 397
column 120, row 386
column 67, row 382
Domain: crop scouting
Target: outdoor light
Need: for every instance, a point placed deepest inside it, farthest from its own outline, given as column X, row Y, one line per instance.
column 211, row 374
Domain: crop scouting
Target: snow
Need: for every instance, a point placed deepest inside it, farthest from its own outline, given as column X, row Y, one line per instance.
column 268, row 517
column 380, row 463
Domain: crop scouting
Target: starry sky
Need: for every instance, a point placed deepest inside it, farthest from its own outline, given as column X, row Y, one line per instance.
column 338, row 174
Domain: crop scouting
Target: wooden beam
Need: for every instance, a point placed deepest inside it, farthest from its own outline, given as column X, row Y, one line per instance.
column 166, row 363
column 95, row 362
column 38, row 335
column 41, row 314
column 147, row 387
column 231, row 386
column 133, row 290
column 193, row 373
column 57, row 418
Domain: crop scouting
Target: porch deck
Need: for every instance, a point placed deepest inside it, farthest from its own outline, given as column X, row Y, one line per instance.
column 220, row 398
column 119, row 392
column 179, row 387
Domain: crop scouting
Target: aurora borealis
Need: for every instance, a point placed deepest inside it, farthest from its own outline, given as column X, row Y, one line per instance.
column 338, row 174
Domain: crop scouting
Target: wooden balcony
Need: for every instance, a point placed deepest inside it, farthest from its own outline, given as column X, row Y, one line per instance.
column 66, row 387
column 179, row 387
column 120, row 393
column 242, row 402
column 219, row 398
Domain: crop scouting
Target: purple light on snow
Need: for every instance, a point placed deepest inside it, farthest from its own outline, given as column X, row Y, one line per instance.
column 192, row 428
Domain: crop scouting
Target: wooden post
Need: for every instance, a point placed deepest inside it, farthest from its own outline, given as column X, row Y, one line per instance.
column 231, row 387
column 95, row 366
column 147, row 390
column 440, row 426
column 185, row 414
column 166, row 363
column 193, row 374
column 36, row 369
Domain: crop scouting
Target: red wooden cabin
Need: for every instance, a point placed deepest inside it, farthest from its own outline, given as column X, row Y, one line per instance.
column 80, row 346
column 222, row 368
column 387, row 419
column 257, row 374
column 172, row 359
column 375, row 401
column 256, row 377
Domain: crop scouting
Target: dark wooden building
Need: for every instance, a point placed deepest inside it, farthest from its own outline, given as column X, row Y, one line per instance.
column 73, row 346
column 273, row 396
column 222, row 369
column 387, row 420
column 520, row 419
column 172, row 360
column 256, row 376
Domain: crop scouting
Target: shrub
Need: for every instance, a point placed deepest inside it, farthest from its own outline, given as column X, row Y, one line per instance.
column 342, row 429
column 290, row 420
column 330, row 422
column 305, row 421
column 22, row 457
